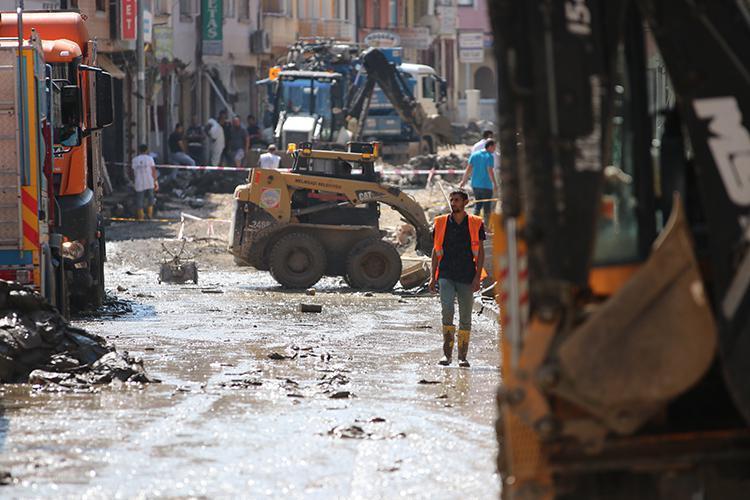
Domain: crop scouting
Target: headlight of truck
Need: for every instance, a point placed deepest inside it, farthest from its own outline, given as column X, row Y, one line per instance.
column 73, row 250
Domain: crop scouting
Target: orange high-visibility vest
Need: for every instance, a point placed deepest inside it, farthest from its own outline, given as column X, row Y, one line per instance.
column 441, row 223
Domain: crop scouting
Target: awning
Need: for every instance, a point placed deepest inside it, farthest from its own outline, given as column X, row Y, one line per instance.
column 104, row 62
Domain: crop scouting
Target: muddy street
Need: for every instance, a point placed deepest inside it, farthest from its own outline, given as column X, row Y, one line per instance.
column 257, row 398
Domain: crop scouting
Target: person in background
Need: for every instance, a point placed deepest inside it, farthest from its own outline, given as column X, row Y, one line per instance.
column 178, row 148
column 195, row 140
column 457, row 265
column 145, row 183
column 481, row 169
column 269, row 159
column 216, row 141
column 479, row 145
column 253, row 131
column 239, row 142
column 226, row 126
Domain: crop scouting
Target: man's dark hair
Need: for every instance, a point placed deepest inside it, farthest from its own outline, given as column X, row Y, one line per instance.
column 177, row 125
column 487, row 134
column 223, row 112
column 143, row 148
column 250, row 117
column 489, row 144
column 460, row 192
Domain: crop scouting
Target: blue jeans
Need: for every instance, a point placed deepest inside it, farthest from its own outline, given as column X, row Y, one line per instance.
column 450, row 291
column 483, row 194
column 144, row 199
column 180, row 158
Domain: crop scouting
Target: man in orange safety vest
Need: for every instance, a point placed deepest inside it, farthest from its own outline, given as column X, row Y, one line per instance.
column 457, row 263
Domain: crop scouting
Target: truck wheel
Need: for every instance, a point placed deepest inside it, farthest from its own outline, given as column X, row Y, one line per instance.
column 373, row 264
column 297, row 260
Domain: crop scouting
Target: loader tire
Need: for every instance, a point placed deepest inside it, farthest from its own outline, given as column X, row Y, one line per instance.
column 374, row 265
column 297, row 260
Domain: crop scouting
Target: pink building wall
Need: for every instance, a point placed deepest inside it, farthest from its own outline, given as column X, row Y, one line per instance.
column 474, row 18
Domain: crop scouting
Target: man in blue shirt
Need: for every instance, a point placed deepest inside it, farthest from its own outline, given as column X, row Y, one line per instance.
column 481, row 169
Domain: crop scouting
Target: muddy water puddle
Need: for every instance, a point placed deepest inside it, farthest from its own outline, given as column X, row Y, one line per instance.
column 260, row 400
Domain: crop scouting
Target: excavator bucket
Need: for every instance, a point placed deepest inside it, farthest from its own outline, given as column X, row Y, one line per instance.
column 648, row 343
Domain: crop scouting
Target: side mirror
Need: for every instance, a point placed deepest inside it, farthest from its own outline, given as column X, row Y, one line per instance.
column 104, row 103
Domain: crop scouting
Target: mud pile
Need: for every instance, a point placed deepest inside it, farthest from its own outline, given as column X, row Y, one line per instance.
column 38, row 346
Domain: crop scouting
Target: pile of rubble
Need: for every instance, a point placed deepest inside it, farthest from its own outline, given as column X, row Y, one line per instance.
column 38, row 346
column 471, row 132
column 453, row 160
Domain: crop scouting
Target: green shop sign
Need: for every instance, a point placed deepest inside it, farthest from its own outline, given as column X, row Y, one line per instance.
column 212, row 17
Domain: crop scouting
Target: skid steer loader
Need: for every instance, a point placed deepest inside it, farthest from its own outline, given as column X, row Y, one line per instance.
column 322, row 219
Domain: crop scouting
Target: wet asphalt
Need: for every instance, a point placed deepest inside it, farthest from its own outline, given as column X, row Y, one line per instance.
column 260, row 400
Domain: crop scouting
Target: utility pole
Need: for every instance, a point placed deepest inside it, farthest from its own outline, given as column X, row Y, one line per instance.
column 141, row 118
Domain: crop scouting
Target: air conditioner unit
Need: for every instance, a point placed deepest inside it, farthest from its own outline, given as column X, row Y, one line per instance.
column 260, row 42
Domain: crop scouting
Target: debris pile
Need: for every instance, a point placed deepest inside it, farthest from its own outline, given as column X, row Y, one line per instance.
column 38, row 346
column 428, row 162
column 472, row 131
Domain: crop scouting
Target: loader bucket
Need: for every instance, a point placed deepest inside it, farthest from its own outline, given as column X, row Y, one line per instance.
column 648, row 343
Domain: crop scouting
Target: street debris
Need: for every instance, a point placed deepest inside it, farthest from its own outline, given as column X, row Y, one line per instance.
column 342, row 395
column 177, row 269
column 38, row 346
column 310, row 308
column 281, row 357
column 242, row 383
column 429, row 382
column 415, row 275
column 359, row 432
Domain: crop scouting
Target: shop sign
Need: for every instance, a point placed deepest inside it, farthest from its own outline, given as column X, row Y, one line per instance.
column 212, row 17
column 383, row 39
column 415, row 38
column 163, row 42
column 128, row 19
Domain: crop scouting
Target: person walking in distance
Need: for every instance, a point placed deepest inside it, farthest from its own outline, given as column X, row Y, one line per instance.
column 145, row 183
column 178, row 151
column 269, row 159
column 481, row 169
column 216, row 141
column 239, row 142
column 457, row 266
column 479, row 145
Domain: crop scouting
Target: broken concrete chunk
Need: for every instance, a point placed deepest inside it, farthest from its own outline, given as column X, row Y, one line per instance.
column 310, row 308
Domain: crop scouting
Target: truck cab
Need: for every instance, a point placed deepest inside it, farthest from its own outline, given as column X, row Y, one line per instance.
column 86, row 108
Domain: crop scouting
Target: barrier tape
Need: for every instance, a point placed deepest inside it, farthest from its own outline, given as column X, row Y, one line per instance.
column 396, row 171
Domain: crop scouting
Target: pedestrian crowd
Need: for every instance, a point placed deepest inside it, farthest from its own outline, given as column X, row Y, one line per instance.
column 220, row 142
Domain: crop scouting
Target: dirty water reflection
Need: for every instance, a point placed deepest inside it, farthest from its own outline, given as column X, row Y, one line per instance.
column 260, row 400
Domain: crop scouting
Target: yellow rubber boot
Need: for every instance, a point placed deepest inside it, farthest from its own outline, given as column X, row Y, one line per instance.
column 463, row 347
column 139, row 214
column 449, row 333
column 150, row 212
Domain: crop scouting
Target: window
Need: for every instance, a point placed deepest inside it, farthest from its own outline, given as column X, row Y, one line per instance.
column 375, row 13
column 428, row 87
column 162, row 7
column 393, row 13
column 243, row 9
column 466, row 3
column 187, row 9
column 277, row 7
column 101, row 5
column 228, row 6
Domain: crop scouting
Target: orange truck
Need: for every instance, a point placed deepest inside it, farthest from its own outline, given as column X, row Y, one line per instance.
column 85, row 108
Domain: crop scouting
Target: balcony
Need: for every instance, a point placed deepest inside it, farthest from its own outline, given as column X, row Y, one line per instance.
column 340, row 29
column 281, row 28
